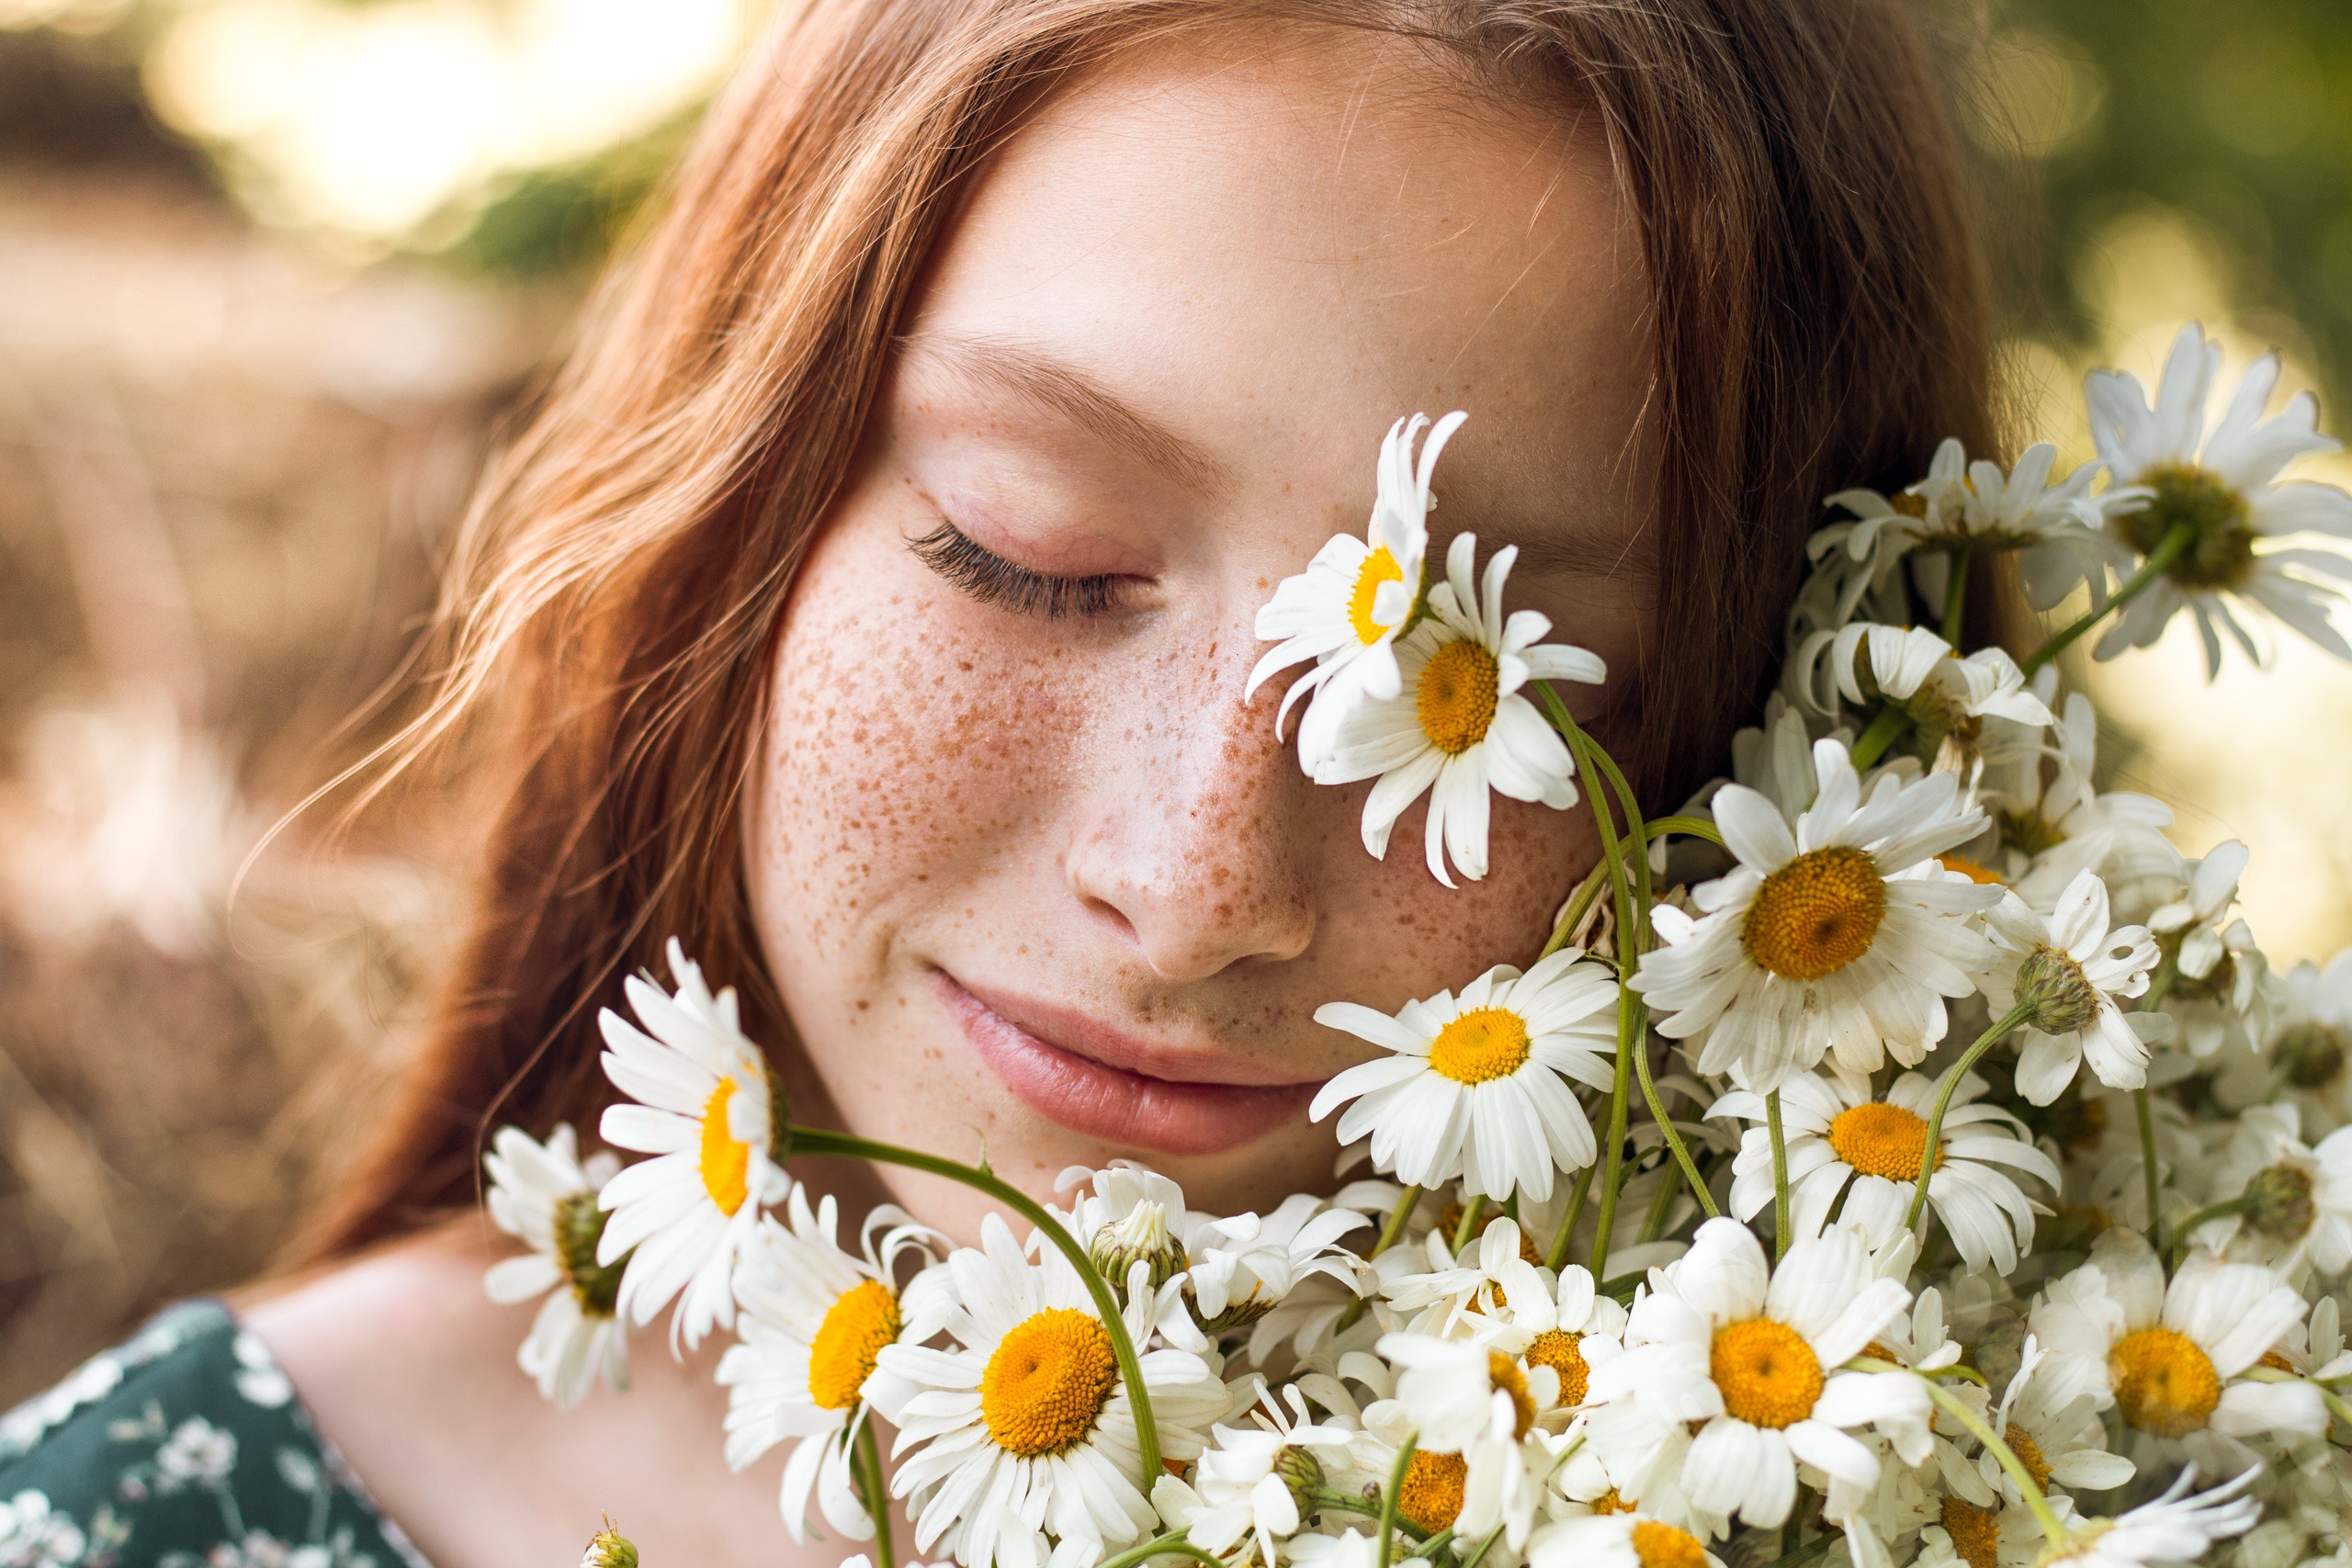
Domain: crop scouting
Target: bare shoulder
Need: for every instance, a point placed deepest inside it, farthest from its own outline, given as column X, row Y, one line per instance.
column 409, row 1369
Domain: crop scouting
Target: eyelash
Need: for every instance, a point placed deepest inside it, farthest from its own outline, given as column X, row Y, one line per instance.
column 993, row 579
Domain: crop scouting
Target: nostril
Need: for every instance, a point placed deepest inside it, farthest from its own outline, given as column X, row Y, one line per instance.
column 1108, row 914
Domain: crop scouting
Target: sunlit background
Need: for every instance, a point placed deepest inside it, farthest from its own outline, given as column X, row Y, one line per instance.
column 270, row 272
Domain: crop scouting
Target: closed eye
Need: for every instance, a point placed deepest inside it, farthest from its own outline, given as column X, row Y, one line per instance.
column 993, row 579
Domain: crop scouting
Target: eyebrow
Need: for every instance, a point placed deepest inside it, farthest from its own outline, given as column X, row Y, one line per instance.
column 1038, row 377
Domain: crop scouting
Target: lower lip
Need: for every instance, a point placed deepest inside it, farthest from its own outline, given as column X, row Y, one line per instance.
column 1116, row 1106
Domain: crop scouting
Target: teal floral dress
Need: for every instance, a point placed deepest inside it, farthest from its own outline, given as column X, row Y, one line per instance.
column 183, row 1448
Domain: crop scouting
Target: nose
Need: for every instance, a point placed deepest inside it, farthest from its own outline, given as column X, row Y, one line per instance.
column 1196, row 845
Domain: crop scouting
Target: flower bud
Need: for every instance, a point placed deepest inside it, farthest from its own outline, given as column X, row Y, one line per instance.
column 1303, row 1473
column 609, row 1549
column 1142, row 1237
column 2059, row 997
column 2280, row 1203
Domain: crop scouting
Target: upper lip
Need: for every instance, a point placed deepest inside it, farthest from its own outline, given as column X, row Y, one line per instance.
column 1068, row 1029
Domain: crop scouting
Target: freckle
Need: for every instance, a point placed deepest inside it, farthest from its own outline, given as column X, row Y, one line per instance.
column 863, row 1005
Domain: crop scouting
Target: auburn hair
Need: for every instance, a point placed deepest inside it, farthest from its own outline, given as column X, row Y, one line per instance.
column 1818, row 312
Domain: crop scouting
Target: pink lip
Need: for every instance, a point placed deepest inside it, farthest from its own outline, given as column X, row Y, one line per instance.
column 1080, row 1074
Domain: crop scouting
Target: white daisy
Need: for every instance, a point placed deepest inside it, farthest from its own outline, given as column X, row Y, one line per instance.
column 1750, row 1352
column 1843, row 936
column 1506, row 1300
column 544, row 1195
column 2295, row 1201
column 1458, row 725
column 2310, row 1043
column 2170, row 1529
column 1025, row 1420
column 1618, row 1541
column 2049, row 1418
column 706, row 1111
column 2172, row 1358
column 1348, row 608
column 2058, row 826
column 1946, row 696
column 2218, row 996
column 1463, row 1399
column 1255, row 1482
column 812, row 1321
column 1475, row 1086
column 2070, row 967
column 1842, row 1141
column 2223, row 488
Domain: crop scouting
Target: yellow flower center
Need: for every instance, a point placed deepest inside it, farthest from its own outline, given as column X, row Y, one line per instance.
column 1432, row 1496
column 1974, row 1533
column 1483, row 1044
column 1048, row 1380
column 2163, row 1383
column 2029, row 1454
column 1816, row 914
column 1456, row 695
column 1877, row 1139
column 1504, row 1374
column 1559, row 1351
column 1663, row 1545
column 861, row 1321
column 1769, row 1375
column 1610, row 1502
column 2222, row 535
column 726, row 1161
column 1378, row 568
column 1983, row 875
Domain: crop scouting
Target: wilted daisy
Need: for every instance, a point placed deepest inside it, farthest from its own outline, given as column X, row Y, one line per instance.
column 1473, row 1088
column 2170, row 1529
column 1945, row 696
column 1347, row 609
column 1842, row 936
column 1457, row 727
column 1750, row 1351
column 1842, row 1141
column 544, row 1195
column 1025, row 1417
column 2172, row 1357
column 2070, row 969
column 707, row 1110
column 2221, row 489
column 813, row 1319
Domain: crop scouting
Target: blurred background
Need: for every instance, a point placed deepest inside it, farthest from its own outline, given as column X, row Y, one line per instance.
column 271, row 273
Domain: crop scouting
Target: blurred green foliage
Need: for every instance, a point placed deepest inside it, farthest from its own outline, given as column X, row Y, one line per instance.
column 2236, row 116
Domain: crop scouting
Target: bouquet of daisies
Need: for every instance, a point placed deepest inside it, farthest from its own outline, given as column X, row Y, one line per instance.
column 1900, row 1154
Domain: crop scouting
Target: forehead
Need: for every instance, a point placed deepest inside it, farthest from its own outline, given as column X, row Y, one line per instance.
column 1278, row 246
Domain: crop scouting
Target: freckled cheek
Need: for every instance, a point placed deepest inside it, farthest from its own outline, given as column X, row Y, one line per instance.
column 1397, row 923
column 909, row 751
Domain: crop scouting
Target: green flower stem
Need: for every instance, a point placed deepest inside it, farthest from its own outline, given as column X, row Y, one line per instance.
column 2143, row 1107
column 1952, row 1405
column 866, row 1466
column 1388, row 1500
column 1889, row 722
column 1324, row 1498
column 1557, row 1253
column 1944, row 1092
column 1632, row 938
column 1956, row 597
column 1171, row 1544
column 1483, row 1547
column 1654, row 1223
column 1780, row 1221
column 1474, row 1206
column 2237, row 1206
column 820, row 1142
column 2169, row 549
column 1690, row 827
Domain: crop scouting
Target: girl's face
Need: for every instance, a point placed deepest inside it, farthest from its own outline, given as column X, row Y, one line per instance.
column 1032, row 877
